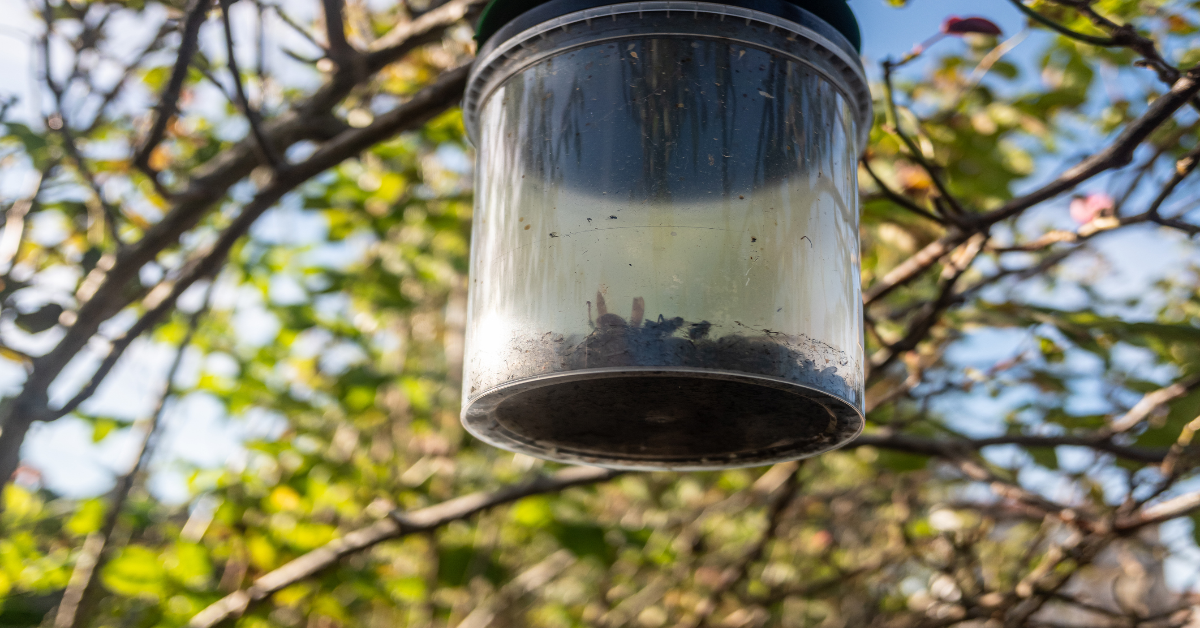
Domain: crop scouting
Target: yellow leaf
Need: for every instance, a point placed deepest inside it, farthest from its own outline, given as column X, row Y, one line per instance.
column 284, row 498
column 160, row 159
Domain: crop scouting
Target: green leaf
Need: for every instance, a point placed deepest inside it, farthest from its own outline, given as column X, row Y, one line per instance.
column 1044, row 456
column 584, row 540
column 88, row 518
column 454, row 563
column 533, row 512
column 902, row 461
column 136, row 572
column 409, row 590
column 101, row 428
column 188, row 564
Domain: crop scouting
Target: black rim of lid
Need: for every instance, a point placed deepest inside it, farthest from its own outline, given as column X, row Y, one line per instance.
column 499, row 13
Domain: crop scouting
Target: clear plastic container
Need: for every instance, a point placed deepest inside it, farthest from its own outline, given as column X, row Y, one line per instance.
column 665, row 255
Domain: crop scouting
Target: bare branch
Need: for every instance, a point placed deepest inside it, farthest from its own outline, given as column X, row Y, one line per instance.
column 269, row 154
column 1163, row 511
column 1184, row 167
column 1063, row 30
column 109, row 213
column 527, row 582
column 932, row 311
column 949, row 448
column 912, row 267
column 80, row 598
column 340, row 50
column 738, row 571
column 1126, row 36
column 1170, row 466
column 295, row 26
column 14, row 222
column 914, row 151
column 408, row 116
column 896, row 197
column 1117, row 154
column 409, row 35
column 111, row 95
column 103, row 292
column 1151, row 402
column 168, row 102
column 396, row 526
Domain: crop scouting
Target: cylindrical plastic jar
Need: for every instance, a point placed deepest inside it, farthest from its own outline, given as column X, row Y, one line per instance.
column 665, row 255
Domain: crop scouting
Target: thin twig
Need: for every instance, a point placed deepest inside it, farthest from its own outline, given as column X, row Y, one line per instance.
column 989, row 61
column 396, row 526
column 158, row 303
column 914, row 151
column 81, row 595
column 108, row 212
column 269, row 154
column 896, row 197
column 111, row 95
column 340, row 50
column 1118, row 153
column 948, row 448
column 294, row 25
column 932, row 311
column 913, row 267
column 14, row 222
column 1063, row 30
column 1171, row 469
column 527, row 582
column 168, row 101
column 1183, row 168
column 737, row 572
column 1151, row 402
column 58, row 122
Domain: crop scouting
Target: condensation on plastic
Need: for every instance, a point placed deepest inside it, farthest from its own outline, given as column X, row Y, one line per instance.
column 664, row 264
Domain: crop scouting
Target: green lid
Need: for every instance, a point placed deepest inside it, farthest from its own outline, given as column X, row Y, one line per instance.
column 836, row 13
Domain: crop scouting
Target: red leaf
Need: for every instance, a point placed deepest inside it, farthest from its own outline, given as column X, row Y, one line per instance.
column 1085, row 209
column 955, row 25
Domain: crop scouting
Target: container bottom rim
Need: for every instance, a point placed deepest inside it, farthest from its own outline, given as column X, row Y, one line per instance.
column 650, row 418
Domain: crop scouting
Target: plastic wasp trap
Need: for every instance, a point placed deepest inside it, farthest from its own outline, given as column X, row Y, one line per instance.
column 665, row 257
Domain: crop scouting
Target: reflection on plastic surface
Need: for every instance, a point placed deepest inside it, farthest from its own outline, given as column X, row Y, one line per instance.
column 665, row 203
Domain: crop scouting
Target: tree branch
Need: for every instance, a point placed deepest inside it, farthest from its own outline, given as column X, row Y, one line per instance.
column 103, row 292
column 111, row 95
column 914, row 151
column 1161, row 512
column 425, row 29
column 109, row 213
column 168, row 102
column 426, row 104
column 269, row 155
column 913, row 267
column 80, row 598
column 340, row 50
column 1117, row 154
column 932, row 311
column 1153, row 401
column 738, row 571
column 1063, row 30
column 14, row 222
column 896, row 197
column 295, row 26
column 527, row 582
column 396, row 526
column 950, row 448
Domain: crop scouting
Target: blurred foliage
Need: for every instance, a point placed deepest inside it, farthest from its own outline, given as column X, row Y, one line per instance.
column 339, row 324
